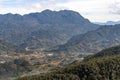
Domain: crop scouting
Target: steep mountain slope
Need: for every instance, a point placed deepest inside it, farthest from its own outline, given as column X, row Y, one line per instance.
column 43, row 39
column 45, row 28
column 6, row 47
column 112, row 51
column 92, row 41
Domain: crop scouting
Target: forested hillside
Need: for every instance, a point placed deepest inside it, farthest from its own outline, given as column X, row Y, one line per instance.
column 14, row 68
column 106, row 67
column 97, row 69
column 112, row 51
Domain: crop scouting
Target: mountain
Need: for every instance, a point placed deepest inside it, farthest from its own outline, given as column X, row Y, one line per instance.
column 43, row 30
column 92, row 41
column 112, row 51
column 108, row 23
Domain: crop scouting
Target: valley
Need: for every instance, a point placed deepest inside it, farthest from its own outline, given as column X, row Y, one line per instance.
column 57, row 45
column 97, row 68
column 32, row 63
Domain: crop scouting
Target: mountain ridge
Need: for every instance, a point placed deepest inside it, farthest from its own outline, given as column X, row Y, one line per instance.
column 64, row 24
column 92, row 41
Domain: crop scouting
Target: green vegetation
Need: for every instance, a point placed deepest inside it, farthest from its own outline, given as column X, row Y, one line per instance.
column 15, row 68
column 105, row 52
column 105, row 65
column 96, row 69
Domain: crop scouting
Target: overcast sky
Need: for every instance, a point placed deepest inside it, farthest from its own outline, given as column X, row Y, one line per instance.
column 94, row 10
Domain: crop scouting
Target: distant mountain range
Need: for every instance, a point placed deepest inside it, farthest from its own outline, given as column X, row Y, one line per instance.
column 92, row 41
column 43, row 30
column 108, row 23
